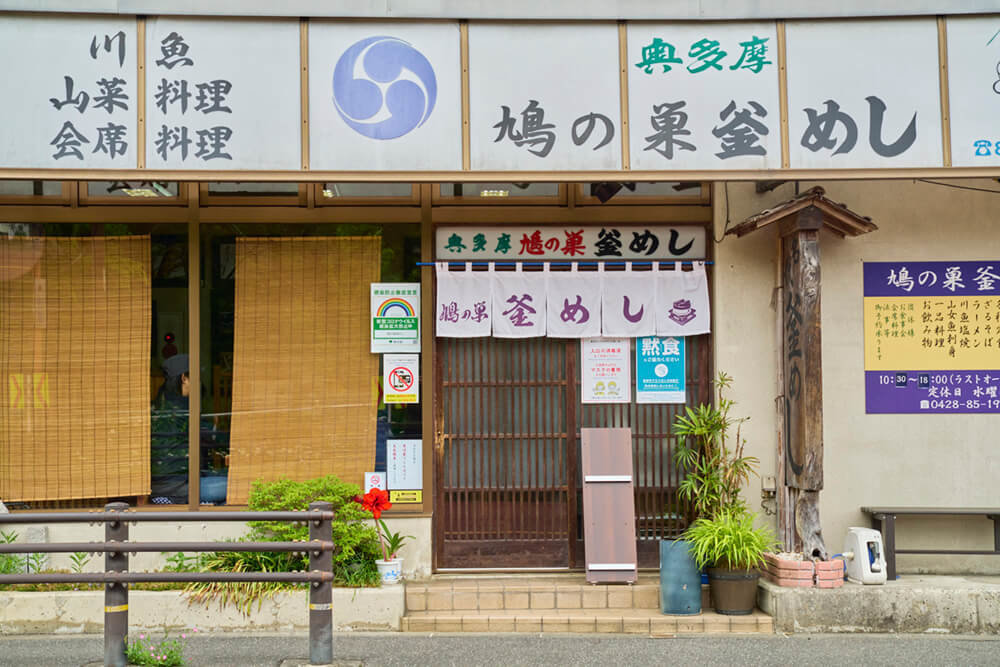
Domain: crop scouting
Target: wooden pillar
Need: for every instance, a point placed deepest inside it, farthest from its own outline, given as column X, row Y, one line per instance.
column 803, row 377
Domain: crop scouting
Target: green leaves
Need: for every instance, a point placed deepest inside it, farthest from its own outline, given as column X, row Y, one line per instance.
column 713, row 460
column 729, row 540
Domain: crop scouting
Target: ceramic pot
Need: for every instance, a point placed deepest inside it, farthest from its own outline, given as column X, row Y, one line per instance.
column 390, row 571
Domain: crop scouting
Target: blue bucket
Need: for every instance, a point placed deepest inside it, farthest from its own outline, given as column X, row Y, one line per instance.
column 680, row 579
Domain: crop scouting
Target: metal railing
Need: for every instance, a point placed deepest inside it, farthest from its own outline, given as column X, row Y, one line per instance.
column 116, row 577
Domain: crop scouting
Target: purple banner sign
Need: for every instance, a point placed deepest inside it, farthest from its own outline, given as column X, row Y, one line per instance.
column 938, row 392
column 980, row 278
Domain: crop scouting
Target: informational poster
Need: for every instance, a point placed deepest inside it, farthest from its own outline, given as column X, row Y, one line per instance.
column 605, row 370
column 401, row 378
column 70, row 90
column 215, row 99
column 544, row 96
column 859, row 109
column 932, row 337
column 385, row 95
column 404, row 465
column 703, row 96
column 374, row 480
column 604, row 242
column 395, row 317
column 659, row 370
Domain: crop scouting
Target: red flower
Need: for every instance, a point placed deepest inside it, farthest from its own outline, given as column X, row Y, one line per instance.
column 375, row 501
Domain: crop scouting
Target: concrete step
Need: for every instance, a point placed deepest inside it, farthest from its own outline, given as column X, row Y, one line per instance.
column 618, row 621
column 564, row 603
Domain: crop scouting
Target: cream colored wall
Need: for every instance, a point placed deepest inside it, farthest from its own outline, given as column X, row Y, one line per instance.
column 903, row 459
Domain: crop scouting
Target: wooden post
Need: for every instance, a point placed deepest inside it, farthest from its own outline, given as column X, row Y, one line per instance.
column 803, row 377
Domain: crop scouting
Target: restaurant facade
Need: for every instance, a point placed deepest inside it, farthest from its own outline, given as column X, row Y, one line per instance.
column 430, row 249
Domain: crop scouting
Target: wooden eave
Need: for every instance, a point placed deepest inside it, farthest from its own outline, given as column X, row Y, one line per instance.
column 837, row 218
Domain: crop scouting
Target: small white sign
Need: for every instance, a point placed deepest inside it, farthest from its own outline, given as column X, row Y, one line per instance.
column 395, row 317
column 404, row 464
column 401, row 378
column 374, row 480
column 606, row 375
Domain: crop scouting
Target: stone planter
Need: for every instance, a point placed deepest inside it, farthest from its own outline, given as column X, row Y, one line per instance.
column 362, row 609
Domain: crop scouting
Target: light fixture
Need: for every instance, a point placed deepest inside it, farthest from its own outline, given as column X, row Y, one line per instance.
column 494, row 193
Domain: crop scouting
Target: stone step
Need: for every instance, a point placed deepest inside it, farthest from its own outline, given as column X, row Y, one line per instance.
column 619, row 621
column 486, row 594
column 565, row 603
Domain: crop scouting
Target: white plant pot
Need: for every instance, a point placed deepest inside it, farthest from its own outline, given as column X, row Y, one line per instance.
column 390, row 571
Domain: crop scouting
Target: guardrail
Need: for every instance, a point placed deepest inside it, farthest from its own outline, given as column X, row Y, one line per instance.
column 116, row 577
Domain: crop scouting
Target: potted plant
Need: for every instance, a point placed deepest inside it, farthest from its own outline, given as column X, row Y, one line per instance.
column 715, row 470
column 732, row 548
column 390, row 567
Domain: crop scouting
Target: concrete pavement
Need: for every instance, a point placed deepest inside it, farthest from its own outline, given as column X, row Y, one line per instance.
column 468, row 649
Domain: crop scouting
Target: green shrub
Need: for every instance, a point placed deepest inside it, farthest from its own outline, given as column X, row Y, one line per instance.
column 353, row 558
column 354, row 536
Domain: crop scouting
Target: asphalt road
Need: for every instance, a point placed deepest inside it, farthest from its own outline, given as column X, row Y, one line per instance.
column 466, row 650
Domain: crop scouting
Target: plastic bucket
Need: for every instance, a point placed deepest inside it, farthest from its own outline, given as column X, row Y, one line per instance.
column 680, row 579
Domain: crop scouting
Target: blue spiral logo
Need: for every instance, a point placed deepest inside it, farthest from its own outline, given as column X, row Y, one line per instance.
column 383, row 87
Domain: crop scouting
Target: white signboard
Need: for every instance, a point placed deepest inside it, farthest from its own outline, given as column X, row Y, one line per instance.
column 974, row 90
column 395, row 317
column 605, row 370
column 544, row 96
column 401, row 378
column 404, row 464
column 374, row 480
column 608, row 242
column 853, row 105
column 384, row 96
column 69, row 92
column 222, row 94
column 703, row 96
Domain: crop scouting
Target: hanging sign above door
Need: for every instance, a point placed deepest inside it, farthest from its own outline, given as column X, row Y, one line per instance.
column 609, row 242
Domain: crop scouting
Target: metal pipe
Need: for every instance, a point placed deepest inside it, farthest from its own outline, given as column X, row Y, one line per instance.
column 170, row 577
column 155, row 547
column 320, row 594
column 115, row 592
column 134, row 517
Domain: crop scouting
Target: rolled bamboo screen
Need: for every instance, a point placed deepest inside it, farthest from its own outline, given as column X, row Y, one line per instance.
column 302, row 371
column 75, row 317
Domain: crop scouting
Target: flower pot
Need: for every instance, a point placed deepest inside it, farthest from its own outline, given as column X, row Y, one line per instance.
column 734, row 591
column 680, row 580
column 390, row 571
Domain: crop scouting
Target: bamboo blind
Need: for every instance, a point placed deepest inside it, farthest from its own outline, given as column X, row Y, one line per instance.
column 75, row 317
column 302, row 371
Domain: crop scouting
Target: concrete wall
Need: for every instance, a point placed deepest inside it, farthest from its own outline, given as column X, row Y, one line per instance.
column 869, row 459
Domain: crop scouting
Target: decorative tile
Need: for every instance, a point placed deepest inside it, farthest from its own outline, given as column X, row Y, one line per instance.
column 619, row 597
column 490, row 600
column 465, row 600
column 475, row 624
column 416, row 600
column 527, row 623
column 635, row 626
column 594, row 597
column 543, row 600
column 516, row 600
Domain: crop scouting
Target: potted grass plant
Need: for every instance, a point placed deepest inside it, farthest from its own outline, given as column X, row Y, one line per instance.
column 732, row 549
column 709, row 452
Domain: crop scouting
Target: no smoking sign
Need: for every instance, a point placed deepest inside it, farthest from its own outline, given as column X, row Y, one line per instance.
column 401, row 377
